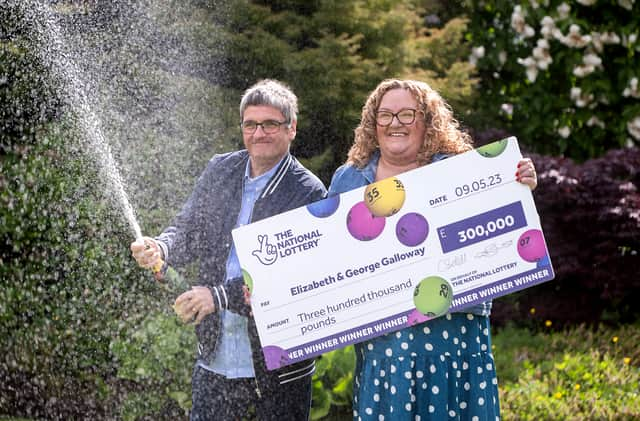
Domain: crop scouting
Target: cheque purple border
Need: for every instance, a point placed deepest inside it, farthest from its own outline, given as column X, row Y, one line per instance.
column 403, row 319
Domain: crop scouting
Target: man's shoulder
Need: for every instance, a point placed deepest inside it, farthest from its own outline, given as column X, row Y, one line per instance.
column 291, row 186
column 301, row 173
column 228, row 162
column 232, row 157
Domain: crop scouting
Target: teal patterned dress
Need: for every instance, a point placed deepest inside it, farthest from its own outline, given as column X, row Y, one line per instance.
column 442, row 369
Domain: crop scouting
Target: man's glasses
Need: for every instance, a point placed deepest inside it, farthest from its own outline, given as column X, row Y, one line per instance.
column 405, row 116
column 268, row 126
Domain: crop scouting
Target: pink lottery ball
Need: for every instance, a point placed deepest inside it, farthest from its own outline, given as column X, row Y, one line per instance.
column 362, row 224
column 531, row 245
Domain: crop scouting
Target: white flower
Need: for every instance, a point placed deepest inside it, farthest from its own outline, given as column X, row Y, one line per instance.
column 564, row 131
column 547, row 27
column 610, row 38
column 547, row 21
column 574, row 38
column 541, row 54
column 528, row 32
column 598, row 40
column 632, row 89
column 581, row 100
column 519, row 24
column 627, row 4
column 478, row 51
column 502, row 57
column 587, row 2
column 531, row 68
column 591, row 59
column 628, row 40
column 542, row 43
column 557, row 34
column 476, row 54
column 595, row 121
column 582, row 71
column 563, row 11
column 534, row 4
column 633, row 127
column 591, row 62
column 517, row 20
column 507, row 109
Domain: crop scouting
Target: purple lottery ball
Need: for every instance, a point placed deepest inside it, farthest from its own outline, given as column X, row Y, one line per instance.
column 325, row 207
column 274, row 356
column 415, row 318
column 412, row 229
column 531, row 245
column 361, row 223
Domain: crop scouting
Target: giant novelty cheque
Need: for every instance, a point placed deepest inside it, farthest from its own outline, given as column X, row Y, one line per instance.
column 398, row 252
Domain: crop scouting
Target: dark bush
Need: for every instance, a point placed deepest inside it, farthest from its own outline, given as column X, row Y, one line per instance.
column 590, row 215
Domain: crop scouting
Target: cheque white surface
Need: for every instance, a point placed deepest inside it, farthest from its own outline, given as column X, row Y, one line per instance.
column 451, row 234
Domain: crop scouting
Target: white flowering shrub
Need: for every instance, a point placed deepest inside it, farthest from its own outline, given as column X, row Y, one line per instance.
column 563, row 76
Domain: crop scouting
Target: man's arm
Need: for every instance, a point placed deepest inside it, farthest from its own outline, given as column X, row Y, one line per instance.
column 181, row 240
column 230, row 296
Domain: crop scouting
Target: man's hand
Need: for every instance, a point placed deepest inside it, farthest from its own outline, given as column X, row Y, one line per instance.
column 196, row 303
column 146, row 252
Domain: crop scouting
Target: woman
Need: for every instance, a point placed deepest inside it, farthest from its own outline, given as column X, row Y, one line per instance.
column 441, row 369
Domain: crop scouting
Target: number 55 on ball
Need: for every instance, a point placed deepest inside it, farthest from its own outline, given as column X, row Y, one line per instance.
column 385, row 197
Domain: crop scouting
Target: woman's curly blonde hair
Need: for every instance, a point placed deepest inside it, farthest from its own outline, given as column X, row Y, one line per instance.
column 442, row 132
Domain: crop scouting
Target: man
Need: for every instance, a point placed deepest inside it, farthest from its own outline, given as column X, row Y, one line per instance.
column 230, row 380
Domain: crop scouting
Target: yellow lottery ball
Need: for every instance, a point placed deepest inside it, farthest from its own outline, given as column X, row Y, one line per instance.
column 385, row 197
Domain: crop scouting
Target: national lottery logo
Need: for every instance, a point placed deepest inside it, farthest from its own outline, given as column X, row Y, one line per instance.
column 266, row 253
column 286, row 244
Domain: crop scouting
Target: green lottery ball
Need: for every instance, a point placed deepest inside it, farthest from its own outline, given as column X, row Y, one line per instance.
column 493, row 149
column 247, row 280
column 432, row 296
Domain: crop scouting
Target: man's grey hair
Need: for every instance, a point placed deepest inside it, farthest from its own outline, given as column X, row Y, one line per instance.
column 272, row 93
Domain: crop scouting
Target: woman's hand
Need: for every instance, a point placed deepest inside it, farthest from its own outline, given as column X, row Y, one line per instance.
column 526, row 173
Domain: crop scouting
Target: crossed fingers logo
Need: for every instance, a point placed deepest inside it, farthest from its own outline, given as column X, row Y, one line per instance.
column 266, row 253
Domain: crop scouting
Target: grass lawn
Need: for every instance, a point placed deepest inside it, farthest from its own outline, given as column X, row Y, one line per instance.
column 575, row 374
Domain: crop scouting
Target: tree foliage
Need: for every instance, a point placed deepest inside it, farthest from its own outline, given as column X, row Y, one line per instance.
column 333, row 53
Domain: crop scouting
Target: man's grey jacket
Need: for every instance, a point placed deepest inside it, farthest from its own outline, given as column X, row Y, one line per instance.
column 201, row 233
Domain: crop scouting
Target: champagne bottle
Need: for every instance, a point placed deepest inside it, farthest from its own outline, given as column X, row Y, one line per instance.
column 169, row 278
column 173, row 282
